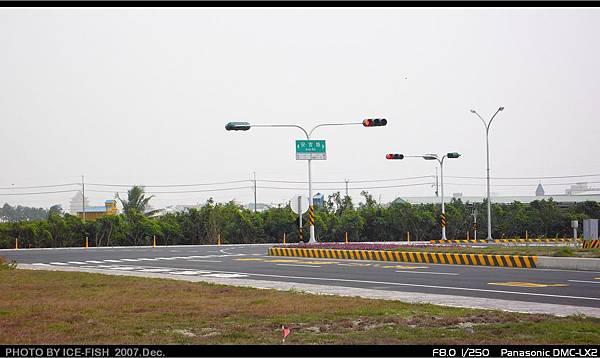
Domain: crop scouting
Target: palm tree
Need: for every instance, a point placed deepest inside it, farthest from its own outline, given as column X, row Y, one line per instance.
column 136, row 199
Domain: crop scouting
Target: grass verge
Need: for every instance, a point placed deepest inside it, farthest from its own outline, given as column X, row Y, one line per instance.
column 50, row 307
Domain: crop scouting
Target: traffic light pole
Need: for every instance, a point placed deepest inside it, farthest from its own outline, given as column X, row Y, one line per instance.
column 244, row 126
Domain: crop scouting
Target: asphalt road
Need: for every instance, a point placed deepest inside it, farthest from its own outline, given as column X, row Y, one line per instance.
column 250, row 262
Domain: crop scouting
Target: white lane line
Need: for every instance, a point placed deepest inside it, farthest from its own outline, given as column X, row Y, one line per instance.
column 40, row 264
column 123, row 268
column 430, row 273
column 130, row 260
column 147, row 259
column 95, row 262
column 189, row 272
column 77, row 262
column 165, row 258
column 225, row 275
column 583, row 281
column 156, row 270
column 414, row 285
column 58, row 263
column 111, row 260
column 297, row 265
column 205, row 260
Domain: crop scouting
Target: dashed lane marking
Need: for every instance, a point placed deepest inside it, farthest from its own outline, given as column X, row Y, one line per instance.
column 130, row 260
column 584, row 281
column 405, row 267
column 189, row 272
column 94, row 262
column 111, row 260
column 59, row 263
column 431, row 273
column 77, row 262
column 298, row 265
column 156, row 270
column 224, row 275
column 527, row 284
column 206, row 260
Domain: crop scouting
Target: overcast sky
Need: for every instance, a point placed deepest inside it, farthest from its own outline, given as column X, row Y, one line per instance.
column 141, row 96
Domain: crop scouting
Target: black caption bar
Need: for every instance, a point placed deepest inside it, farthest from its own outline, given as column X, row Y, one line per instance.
column 28, row 351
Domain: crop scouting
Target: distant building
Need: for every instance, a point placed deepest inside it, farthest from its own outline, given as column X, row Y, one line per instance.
column 96, row 212
column 318, row 199
column 259, row 206
column 561, row 200
column 581, row 188
column 540, row 190
column 76, row 203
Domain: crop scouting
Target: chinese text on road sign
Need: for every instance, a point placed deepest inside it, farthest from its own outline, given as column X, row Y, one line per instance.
column 310, row 149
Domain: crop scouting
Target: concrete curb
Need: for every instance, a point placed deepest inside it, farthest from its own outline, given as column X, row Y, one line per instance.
column 410, row 256
column 569, row 263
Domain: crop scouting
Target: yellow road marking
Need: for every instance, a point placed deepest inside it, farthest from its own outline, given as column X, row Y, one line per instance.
column 405, row 267
column 527, row 284
column 283, row 260
column 249, row 259
column 318, row 262
column 353, row 264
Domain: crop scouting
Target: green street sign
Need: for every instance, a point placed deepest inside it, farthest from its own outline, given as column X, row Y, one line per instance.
column 310, row 149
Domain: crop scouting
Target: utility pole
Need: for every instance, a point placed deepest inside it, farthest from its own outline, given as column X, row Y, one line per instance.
column 436, row 182
column 346, row 187
column 83, row 197
column 475, row 223
column 254, row 191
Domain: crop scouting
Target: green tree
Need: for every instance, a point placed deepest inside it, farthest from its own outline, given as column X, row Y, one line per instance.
column 136, row 199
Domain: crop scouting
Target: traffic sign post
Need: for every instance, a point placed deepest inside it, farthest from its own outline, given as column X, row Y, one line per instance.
column 299, row 205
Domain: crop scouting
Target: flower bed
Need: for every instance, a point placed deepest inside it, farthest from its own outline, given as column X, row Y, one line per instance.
column 354, row 245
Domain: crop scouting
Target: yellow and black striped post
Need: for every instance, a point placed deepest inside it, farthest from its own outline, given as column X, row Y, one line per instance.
column 443, row 220
column 301, row 234
column 16, row 243
column 311, row 215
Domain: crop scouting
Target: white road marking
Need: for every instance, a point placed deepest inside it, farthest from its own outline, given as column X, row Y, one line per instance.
column 415, row 285
column 58, row 263
column 165, row 258
column 156, row 270
column 188, row 272
column 95, row 262
column 297, row 265
column 124, row 268
column 130, row 260
column 40, row 264
column 111, row 260
column 583, row 281
column 225, row 275
column 206, row 260
column 431, row 273
column 77, row 262
column 147, row 259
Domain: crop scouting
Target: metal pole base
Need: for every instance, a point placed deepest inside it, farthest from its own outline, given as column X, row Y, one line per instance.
column 312, row 235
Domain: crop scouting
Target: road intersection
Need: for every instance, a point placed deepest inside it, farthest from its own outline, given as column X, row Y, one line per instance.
column 526, row 290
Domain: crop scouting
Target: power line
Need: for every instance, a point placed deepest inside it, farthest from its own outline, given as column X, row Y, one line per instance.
column 523, row 185
column 176, row 192
column 39, row 186
column 41, row 192
column 526, row 178
column 171, row 185
column 343, row 181
column 343, row 188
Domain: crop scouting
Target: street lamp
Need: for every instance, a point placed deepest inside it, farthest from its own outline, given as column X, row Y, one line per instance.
column 244, row 126
column 451, row 155
column 487, row 144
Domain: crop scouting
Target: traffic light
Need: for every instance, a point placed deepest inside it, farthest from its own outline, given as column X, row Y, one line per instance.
column 453, row 155
column 237, row 126
column 394, row 156
column 375, row 122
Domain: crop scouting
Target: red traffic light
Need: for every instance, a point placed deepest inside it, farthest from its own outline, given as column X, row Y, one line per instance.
column 375, row 122
column 394, row 156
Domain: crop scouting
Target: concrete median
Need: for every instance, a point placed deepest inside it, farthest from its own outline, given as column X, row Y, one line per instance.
column 517, row 261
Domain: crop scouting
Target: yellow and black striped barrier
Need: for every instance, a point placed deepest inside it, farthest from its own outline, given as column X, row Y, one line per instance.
column 504, row 241
column 311, row 215
column 409, row 256
column 457, row 241
column 591, row 244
